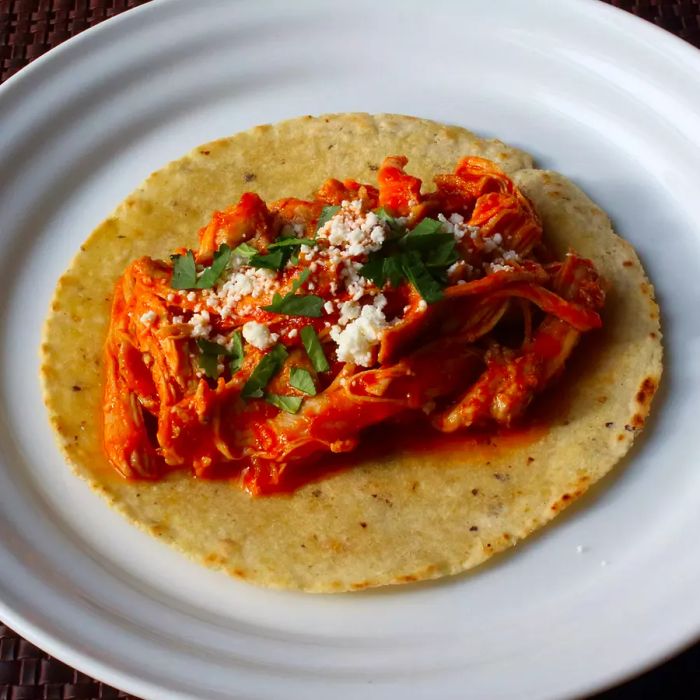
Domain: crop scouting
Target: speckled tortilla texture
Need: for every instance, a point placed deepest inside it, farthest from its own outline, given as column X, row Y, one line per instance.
column 403, row 518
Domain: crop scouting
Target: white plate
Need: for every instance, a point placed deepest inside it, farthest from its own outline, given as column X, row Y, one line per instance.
column 606, row 99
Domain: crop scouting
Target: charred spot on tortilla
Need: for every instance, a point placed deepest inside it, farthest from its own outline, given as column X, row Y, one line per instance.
column 300, row 540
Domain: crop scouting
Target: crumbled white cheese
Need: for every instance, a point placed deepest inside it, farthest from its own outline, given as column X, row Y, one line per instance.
column 292, row 334
column 354, row 282
column 328, row 307
column 244, row 282
column 379, row 302
column 349, row 311
column 497, row 267
column 258, row 335
column 359, row 337
column 490, row 244
column 457, row 227
column 191, row 296
column 200, row 325
column 148, row 318
column 350, row 233
column 422, row 305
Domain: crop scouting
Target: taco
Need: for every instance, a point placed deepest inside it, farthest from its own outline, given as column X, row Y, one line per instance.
column 287, row 356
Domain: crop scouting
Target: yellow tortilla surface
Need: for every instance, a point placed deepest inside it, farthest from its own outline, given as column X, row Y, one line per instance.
column 402, row 518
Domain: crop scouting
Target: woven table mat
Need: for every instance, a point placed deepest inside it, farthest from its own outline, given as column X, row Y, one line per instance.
column 29, row 28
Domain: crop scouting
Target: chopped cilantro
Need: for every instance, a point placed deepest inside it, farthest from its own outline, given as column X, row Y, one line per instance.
column 393, row 271
column 184, row 271
column 420, row 255
column 381, row 269
column 271, row 261
column 373, row 269
column 296, row 305
column 314, row 349
column 209, row 356
column 301, row 379
column 327, row 213
column 237, row 353
column 443, row 255
column 207, row 347
column 291, row 242
column 293, row 304
column 425, row 237
column 297, row 282
column 269, row 365
column 290, row 404
column 426, row 227
column 419, row 276
column 210, row 353
column 209, row 363
column 245, row 250
column 211, row 274
column 395, row 228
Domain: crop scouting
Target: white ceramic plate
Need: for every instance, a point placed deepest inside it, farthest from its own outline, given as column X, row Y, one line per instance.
column 606, row 99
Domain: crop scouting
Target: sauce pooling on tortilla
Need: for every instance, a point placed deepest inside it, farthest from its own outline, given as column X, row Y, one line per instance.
column 298, row 325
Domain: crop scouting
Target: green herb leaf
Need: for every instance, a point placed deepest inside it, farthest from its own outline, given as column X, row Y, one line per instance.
column 427, row 227
column 379, row 269
column 395, row 227
column 290, row 404
column 271, row 261
column 245, row 250
column 314, row 349
column 237, row 353
column 208, row 348
column 212, row 273
column 443, row 255
column 297, row 282
column 209, row 356
column 301, row 379
column 294, row 258
column 427, row 242
column 428, row 287
column 296, row 305
column 293, row 304
column 393, row 270
column 209, row 364
column 327, row 213
column 291, row 242
column 373, row 269
column 184, row 271
column 268, row 366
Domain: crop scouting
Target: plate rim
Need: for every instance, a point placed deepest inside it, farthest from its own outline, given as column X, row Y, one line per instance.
column 92, row 665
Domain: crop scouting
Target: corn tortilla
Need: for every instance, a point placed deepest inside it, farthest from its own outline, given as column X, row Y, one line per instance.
column 400, row 518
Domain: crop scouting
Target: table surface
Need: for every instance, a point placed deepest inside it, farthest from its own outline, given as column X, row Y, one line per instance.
column 29, row 28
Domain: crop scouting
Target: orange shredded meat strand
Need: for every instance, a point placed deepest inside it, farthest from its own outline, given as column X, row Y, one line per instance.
column 161, row 414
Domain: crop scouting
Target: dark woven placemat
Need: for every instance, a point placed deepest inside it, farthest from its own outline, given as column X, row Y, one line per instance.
column 29, row 28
